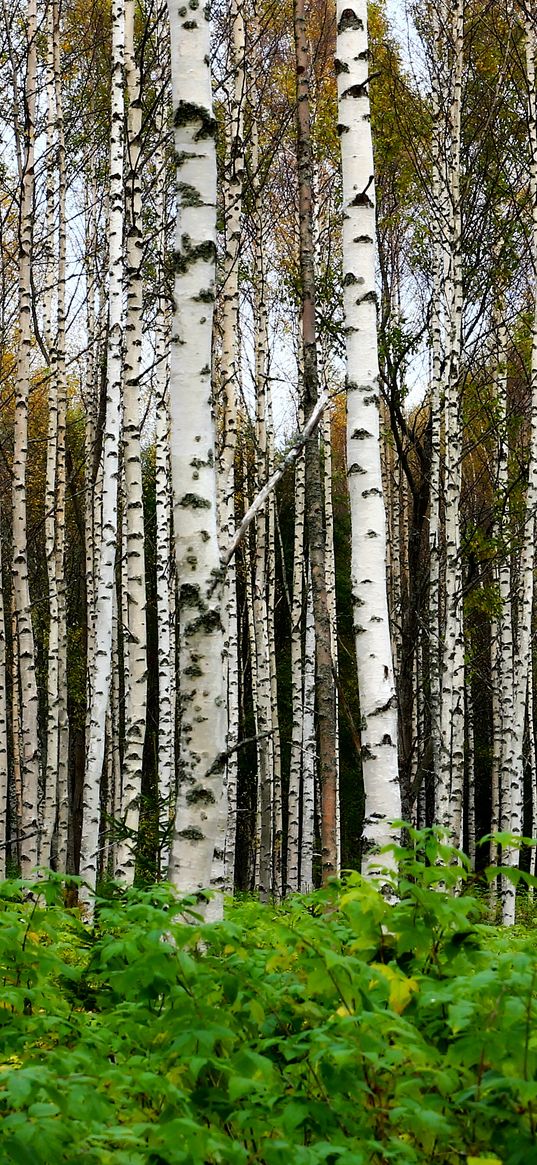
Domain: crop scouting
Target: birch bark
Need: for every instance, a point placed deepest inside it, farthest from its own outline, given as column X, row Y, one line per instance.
column 297, row 684
column 100, row 681
column 514, row 795
column 450, row 790
column 4, row 769
column 29, row 736
column 201, row 639
column 230, row 368
column 325, row 685
column 135, row 632
column 368, row 519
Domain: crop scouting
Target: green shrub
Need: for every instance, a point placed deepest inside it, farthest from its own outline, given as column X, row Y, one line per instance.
column 339, row 1028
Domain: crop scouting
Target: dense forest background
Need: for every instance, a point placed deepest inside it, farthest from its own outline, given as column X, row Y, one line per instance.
column 97, row 704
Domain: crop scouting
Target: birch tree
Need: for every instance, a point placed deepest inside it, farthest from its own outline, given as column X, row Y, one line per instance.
column 28, row 708
column 369, row 594
column 202, row 743
column 325, row 686
column 102, row 664
column 135, row 593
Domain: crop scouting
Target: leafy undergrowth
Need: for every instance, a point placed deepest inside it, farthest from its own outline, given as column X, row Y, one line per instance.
column 338, row 1028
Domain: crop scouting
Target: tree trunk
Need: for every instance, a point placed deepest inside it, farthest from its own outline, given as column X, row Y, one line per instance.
column 106, row 550
column 325, row 685
column 201, row 638
column 368, row 519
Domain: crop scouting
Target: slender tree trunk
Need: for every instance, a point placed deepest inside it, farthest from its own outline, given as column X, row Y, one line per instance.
column 309, row 749
column 29, row 850
column 450, row 790
column 230, row 373
column 368, row 519
column 331, row 594
column 165, row 593
column 297, row 685
column 135, row 633
column 4, row 757
column 325, row 685
column 56, row 807
column 100, row 682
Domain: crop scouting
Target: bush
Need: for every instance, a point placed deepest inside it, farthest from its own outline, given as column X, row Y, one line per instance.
column 339, row 1028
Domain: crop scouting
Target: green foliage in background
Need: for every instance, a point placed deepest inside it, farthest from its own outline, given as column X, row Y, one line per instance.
column 338, row 1028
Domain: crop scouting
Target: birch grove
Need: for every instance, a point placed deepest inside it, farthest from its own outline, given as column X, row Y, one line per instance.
column 268, row 430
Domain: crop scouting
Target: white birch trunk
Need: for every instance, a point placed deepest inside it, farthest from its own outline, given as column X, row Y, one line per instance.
column 201, row 639
column 331, row 596
column 100, row 682
column 274, row 740
column 29, row 847
column 368, row 519
column 297, row 685
column 450, row 789
column 165, row 592
column 309, row 751
column 4, row 779
column 134, row 590
column 523, row 654
column 230, row 381
column 56, row 807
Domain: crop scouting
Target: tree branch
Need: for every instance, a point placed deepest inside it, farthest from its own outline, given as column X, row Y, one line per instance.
column 289, row 459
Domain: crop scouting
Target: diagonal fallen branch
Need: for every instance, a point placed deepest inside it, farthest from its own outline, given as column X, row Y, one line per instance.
column 289, row 459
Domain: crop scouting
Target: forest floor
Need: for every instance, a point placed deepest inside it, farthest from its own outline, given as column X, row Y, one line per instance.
column 338, row 1028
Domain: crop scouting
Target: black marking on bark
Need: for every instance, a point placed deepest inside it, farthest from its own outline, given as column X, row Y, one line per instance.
column 341, row 129
column 383, row 708
column 180, row 157
column 205, row 536
column 356, row 91
column 362, row 199
column 349, row 279
column 193, row 670
column 205, row 296
column 194, row 502
column 363, row 239
column 187, row 112
column 349, row 21
column 191, row 834
column 200, row 797
column 340, row 67
column 371, row 534
column 208, row 621
column 369, row 297
column 190, row 24
column 189, row 595
column 352, row 386
column 360, row 435
column 183, row 259
column 372, row 493
column 189, row 195
column 355, row 468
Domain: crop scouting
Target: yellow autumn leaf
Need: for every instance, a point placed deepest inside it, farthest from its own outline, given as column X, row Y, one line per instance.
column 483, row 1161
column 401, row 989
